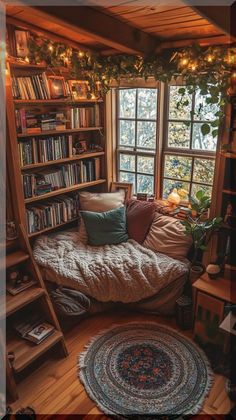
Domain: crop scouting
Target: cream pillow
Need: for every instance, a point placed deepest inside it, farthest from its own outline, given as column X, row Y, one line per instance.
column 98, row 202
column 167, row 235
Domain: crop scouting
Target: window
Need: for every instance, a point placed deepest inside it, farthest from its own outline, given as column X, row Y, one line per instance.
column 137, row 137
column 189, row 157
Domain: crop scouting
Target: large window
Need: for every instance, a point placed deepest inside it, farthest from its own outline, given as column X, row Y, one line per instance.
column 137, row 134
column 189, row 156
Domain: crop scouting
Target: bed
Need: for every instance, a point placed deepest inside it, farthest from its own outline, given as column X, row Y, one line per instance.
column 127, row 273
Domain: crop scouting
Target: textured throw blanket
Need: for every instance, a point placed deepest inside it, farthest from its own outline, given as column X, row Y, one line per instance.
column 127, row 272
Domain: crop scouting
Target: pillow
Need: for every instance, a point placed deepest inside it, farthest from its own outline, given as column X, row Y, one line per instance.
column 167, row 235
column 140, row 215
column 101, row 201
column 98, row 202
column 106, row 228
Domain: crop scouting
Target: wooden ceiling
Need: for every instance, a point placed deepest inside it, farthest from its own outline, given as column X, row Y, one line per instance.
column 129, row 26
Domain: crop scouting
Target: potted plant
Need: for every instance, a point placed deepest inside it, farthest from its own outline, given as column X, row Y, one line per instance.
column 200, row 228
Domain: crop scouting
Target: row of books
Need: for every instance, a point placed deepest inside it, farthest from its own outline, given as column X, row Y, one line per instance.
column 61, row 177
column 43, row 149
column 85, row 117
column 31, row 87
column 51, row 213
column 32, row 121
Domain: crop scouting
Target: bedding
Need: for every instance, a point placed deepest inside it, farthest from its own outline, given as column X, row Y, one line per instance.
column 125, row 273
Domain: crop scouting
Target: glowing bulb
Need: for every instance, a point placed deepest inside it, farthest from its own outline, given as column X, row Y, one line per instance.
column 193, row 67
column 27, row 59
column 210, row 58
column 50, row 48
column 184, row 62
column 233, row 75
column 66, row 60
column 93, row 96
column 80, row 54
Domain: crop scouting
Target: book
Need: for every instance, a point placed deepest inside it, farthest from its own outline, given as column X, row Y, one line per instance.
column 40, row 333
column 15, row 289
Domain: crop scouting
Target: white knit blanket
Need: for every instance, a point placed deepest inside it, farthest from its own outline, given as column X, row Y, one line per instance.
column 127, row 272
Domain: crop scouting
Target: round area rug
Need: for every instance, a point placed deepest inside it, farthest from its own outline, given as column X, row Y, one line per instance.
column 145, row 369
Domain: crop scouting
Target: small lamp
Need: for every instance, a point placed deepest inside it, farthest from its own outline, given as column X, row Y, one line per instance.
column 174, row 198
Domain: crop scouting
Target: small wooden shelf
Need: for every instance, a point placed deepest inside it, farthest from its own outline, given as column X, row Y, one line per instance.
column 15, row 258
column 14, row 303
column 231, row 192
column 220, row 288
column 40, row 232
column 26, row 352
column 64, row 190
column 66, row 101
column 65, row 160
column 57, row 132
column 24, row 65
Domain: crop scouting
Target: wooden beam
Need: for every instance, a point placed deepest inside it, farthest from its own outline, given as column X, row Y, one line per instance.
column 181, row 43
column 100, row 27
column 219, row 16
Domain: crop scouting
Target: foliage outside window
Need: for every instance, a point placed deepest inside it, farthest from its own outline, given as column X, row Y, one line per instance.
column 137, row 133
column 189, row 156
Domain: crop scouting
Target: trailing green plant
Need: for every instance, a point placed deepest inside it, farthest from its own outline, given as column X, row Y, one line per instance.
column 207, row 69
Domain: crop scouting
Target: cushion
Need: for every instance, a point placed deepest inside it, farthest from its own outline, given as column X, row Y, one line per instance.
column 99, row 202
column 140, row 215
column 167, row 235
column 105, row 228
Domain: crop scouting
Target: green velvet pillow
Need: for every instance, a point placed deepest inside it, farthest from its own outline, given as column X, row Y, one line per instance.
column 106, row 228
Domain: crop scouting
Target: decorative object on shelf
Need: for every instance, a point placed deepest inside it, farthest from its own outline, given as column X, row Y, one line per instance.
column 123, row 186
column 21, row 40
column 17, row 282
column 174, row 198
column 57, row 87
column 11, row 232
column 204, row 68
column 183, row 312
column 79, row 89
column 214, row 271
column 131, row 365
column 142, row 196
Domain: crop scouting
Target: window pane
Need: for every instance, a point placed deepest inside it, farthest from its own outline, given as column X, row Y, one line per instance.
column 127, row 162
column 178, row 167
column 147, row 103
column 146, row 134
column 145, row 184
column 127, row 100
column 204, row 111
column 178, row 135
column 128, row 177
column 170, row 184
column 146, row 164
column 183, row 112
column 127, row 133
column 203, row 170
column 202, row 142
column 196, row 187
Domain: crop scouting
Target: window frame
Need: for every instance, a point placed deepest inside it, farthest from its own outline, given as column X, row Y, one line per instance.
column 136, row 150
column 187, row 152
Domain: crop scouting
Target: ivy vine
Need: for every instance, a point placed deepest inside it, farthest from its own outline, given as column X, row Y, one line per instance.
column 208, row 69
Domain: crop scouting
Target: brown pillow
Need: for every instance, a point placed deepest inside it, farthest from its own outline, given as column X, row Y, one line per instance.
column 139, row 216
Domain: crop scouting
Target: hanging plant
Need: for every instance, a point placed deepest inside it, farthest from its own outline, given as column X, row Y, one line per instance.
column 204, row 69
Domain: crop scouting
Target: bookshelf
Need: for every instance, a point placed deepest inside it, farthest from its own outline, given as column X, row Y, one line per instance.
column 46, row 165
column 224, row 200
column 33, row 299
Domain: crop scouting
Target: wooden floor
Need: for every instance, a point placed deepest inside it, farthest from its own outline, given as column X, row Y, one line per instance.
column 54, row 388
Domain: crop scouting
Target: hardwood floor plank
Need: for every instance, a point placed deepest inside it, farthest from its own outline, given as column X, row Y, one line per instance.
column 54, row 388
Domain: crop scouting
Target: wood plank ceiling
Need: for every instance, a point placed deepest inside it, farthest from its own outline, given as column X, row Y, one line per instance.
column 128, row 26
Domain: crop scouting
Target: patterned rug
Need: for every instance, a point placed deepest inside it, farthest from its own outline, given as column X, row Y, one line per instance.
column 145, row 369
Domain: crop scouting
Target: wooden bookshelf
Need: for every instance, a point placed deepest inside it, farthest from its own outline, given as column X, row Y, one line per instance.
column 65, row 160
column 64, row 190
column 91, row 134
column 25, row 352
column 56, row 132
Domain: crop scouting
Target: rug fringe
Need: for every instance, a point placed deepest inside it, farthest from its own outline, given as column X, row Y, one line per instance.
column 81, row 365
